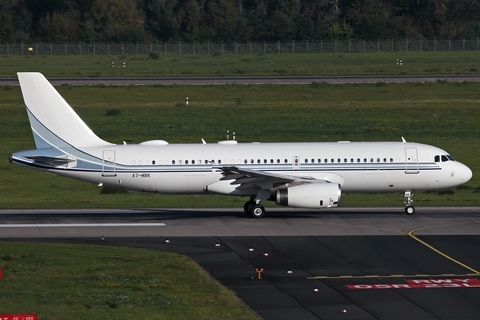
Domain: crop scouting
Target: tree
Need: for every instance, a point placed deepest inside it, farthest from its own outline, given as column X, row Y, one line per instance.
column 369, row 19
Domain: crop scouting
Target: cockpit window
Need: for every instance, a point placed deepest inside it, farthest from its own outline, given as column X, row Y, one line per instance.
column 437, row 158
column 450, row 157
column 444, row 158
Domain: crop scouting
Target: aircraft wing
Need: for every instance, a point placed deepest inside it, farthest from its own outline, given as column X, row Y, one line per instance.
column 255, row 179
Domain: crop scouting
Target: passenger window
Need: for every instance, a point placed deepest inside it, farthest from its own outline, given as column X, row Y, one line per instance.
column 173, row 161
column 391, row 159
column 186, row 161
column 264, row 160
column 345, row 160
column 258, row 161
column 252, row 161
column 286, row 161
column 319, row 160
column 358, row 159
column 313, row 160
column 278, row 160
column 245, row 161
column 153, row 161
column 306, row 160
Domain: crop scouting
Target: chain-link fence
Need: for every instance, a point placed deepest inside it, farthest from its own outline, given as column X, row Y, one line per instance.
column 179, row 47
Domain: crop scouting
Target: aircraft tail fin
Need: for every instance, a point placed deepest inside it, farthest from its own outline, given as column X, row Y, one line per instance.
column 54, row 123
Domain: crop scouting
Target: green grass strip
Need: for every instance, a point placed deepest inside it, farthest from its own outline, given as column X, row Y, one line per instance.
column 62, row 281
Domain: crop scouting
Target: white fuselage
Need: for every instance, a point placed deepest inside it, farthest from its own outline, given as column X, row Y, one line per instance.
column 189, row 168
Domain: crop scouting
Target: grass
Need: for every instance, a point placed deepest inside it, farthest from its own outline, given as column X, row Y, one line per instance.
column 446, row 115
column 61, row 281
column 429, row 63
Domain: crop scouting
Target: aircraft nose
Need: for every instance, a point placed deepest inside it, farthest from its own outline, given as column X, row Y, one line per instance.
column 465, row 174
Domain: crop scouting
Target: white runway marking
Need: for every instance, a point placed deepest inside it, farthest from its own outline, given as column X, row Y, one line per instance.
column 62, row 225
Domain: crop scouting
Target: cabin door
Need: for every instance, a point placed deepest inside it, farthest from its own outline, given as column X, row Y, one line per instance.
column 411, row 159
column 108, row 163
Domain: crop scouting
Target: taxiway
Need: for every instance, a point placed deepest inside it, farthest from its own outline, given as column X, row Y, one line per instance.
column 347, row 263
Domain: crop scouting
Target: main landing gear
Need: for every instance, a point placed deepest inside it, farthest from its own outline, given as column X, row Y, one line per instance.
column 409, row 209
column 253, row 208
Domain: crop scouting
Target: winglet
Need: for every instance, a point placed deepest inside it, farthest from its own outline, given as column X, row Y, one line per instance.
column 403, row 140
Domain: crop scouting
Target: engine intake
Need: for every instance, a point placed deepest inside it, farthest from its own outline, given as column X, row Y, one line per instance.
column 312, row 196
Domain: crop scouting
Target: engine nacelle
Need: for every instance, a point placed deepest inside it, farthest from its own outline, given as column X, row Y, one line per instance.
column 312, row 196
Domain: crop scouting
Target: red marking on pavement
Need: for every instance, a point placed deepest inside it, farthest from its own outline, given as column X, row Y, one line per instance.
column 18, row 316
column 422, row 284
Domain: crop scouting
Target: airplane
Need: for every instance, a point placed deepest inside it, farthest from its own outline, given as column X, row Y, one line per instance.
column 309, row 175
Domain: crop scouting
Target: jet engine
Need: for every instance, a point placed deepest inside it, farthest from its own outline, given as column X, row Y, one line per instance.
column 312, row 196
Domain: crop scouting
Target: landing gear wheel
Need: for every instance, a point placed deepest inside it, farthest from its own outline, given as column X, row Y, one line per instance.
column 247, row 206
column 257, row 211
column 409, row 210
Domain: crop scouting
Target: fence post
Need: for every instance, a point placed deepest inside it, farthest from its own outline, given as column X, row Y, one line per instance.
column 8, row 49
column 264, row 48
column 449, row 44
column 179, row 47
column 463, row 43
column 165, row 48
column 36, row 49
column 194, row 48
column 349, row 45
column 94, row 48
column 435, row 44
column 478, row 43
column 363, row 45
column 406, row 44
column 250, row 47
column 293, row 46
column 79, row 48
column 22, row 48
column 278, row 46
column 307, row 46
column 222, row 47
column 321, row 46
column 335, row 46
column 420, row 44
column 378, row 45
column 392, row 45
column 123, row 49
column 236, row 47
column 51, row 49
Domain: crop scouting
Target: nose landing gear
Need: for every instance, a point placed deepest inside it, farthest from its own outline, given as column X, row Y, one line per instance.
column 409, row 209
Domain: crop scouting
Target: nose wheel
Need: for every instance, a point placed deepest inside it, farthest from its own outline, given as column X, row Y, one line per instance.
column 409, row 209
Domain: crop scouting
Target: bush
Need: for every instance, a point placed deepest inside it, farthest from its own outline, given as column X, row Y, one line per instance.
column 112, row 112
column 153, row 55
column 446, row 192
column 110, row 190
